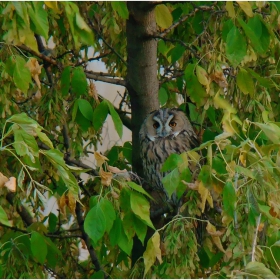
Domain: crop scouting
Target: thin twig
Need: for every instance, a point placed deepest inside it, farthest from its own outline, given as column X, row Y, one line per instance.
column 255, row 237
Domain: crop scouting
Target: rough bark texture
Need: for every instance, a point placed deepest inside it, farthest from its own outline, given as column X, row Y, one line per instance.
column 142, row 81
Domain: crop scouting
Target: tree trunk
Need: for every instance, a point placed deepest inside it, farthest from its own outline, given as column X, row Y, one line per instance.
column 142, row 81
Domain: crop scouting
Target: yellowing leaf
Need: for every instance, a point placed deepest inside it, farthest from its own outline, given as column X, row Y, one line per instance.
column 100, row 159
column 11, row 184
column 116, row 170
column 71, row 202
column 3, row 180
column 152, row 252
column 222, row 103
column 245, row 82
column 52, row 5
column 106, row 177
column 202, row 77
column 163, row 16
column 62, row 204
column 215, row 236
column 205, row 196
column 230, row 9
column 246, row 7
column 35, row 70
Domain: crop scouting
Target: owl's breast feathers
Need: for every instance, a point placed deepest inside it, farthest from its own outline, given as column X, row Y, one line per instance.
column 154, row 153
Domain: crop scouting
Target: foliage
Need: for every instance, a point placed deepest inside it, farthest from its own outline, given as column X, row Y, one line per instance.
column 219, row 62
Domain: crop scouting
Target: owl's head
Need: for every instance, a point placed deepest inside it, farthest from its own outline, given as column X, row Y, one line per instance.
column 164, row 123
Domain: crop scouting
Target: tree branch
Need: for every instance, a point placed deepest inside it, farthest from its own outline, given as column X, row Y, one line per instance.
column 22, row 211
column 86, row 238
column 98, row 77
column 184, row 18
column 43, row 57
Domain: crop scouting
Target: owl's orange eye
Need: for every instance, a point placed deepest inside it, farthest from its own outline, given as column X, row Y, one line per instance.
column 172, row 124
column 156, row 125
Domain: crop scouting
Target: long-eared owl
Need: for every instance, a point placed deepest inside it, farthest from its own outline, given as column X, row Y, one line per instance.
column 164, row 132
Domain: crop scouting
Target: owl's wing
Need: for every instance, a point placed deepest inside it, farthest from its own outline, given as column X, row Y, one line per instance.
column 192, row 137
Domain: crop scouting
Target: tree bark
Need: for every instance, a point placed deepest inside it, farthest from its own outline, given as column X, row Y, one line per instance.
column 142, row 80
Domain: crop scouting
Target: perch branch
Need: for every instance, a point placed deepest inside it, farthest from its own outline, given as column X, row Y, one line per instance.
column 108, row 80
column 255, row 237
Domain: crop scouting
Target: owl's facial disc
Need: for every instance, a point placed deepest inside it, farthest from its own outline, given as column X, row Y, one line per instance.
column 164, row 129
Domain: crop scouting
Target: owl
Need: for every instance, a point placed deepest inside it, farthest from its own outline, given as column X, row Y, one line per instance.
column 164, row 132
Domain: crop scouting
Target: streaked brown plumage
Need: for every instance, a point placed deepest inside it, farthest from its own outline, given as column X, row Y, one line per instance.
column 164, row 132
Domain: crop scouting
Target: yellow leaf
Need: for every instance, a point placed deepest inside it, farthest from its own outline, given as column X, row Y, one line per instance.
column 152, row 252
column 106, row 177
column 163, row 16
column 222, row 103
column 116, row 170
column 11, row 184
column 230, row 9
column 100, row 159
column 3, row 180
column 205, row 196
column 246, row 7
column 71, row 202
column 203, row 78
column 215, row 236
column 218, row 243
column 62, row 204
column 52, row 5
column 35, row 70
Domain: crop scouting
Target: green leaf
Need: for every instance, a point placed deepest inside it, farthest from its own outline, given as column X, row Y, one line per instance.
column 218, row 164
column 25, row 144
column 141, row 208
column 195, row 90
column 85, row 108
column 79, row 82
column 176, row 53
column 99, row 115
column 245, row 171
column 3, row 217
column 65, row 80
column 39, row 18
column 128, row 225
column 172, row 162
column 124, row 243
column 121, row 8
column 55, row 157
column 38, row 247
column 271, row 130
column 21, row 75
column 44, row 138
column 109, row 212
column 251, row 35
column 162, row 96
column 171, row 181
column 127, row 151
column 163, row 16
column 116, row 119
column 138, row 188
column 20, row 178
column 83, row 30
column 116, row 231
column 236, row 46
column 125, row 199
column 229, row 199
column 259, row 270
column 140, row 229
column 95, row 223
column 52, row 222
column 265, row 82
column 245, row 82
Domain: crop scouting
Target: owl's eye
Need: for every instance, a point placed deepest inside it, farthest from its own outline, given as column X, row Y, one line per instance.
column 156, row 125
column 172, row 124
